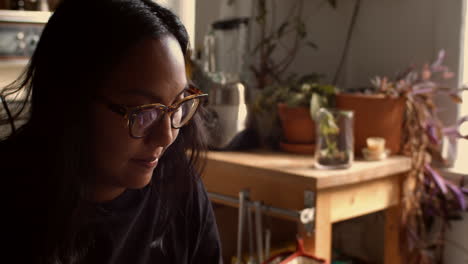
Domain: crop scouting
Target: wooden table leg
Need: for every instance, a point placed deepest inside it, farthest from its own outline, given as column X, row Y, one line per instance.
column 392, row 250
column 320, row 242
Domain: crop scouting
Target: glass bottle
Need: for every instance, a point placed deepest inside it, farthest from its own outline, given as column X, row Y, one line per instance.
column 335, row 139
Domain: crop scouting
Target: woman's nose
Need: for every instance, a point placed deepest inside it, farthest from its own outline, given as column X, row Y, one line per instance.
column 161, row 133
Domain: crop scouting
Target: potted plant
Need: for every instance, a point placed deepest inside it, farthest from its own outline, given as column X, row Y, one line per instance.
column 376, row 115
column 430, row 200
column 295, row 103
column 270, row 63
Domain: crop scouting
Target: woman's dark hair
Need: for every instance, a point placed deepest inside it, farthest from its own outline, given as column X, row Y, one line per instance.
column 78, row 49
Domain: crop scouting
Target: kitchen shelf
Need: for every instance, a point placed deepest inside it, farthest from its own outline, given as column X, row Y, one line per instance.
column 24, row 16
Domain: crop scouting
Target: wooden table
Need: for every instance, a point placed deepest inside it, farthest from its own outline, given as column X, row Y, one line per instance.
column 280, row 179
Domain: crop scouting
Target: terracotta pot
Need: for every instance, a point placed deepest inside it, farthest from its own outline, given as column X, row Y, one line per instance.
column 297, row 125
column 375, row 116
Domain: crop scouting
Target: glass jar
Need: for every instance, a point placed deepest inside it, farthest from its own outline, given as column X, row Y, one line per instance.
column 335, row 139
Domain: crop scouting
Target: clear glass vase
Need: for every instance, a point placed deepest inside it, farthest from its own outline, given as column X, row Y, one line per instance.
column 335, row 139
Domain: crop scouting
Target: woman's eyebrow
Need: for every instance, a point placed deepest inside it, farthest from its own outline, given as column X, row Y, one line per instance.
column 142, row 93
column 154, row 98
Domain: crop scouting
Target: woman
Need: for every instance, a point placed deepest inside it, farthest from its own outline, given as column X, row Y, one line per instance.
column 106, row 170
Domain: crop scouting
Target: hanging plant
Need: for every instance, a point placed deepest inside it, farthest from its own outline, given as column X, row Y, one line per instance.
column 430, row 201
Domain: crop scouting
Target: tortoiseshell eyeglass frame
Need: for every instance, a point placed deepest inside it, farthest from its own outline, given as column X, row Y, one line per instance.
column 129, row 113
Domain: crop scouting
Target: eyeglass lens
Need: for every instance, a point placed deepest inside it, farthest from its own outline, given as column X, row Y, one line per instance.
column 143, row 120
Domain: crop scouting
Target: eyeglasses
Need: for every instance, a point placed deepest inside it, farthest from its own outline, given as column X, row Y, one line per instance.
column 140, row 119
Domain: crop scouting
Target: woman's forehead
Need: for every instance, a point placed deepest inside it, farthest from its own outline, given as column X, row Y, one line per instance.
column 153, row 67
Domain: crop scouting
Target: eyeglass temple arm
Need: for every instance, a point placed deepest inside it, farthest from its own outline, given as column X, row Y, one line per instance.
column 192, row 88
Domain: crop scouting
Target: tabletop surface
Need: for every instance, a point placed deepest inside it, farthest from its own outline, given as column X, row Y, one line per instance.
column 303, row 166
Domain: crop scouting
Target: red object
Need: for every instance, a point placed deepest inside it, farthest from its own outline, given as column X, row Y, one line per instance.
column 297, row 257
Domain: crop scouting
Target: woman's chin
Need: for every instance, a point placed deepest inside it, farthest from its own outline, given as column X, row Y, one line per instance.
column 137, row 177
column 138, row 181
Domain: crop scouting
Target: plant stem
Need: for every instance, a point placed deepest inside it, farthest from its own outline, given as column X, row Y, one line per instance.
column 263, row 57
column 357, row 7
column 292, row 52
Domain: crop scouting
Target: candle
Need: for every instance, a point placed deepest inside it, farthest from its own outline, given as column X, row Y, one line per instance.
column 376, row 144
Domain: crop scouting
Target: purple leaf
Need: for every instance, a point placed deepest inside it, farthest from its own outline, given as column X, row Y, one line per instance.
column 438, row 66
column 448, row 74
column 452, row 132
column 438, row 179
column 462, row 120
column 441, row 55
column 426, row 73
column 422, row 91
column 426, row 84
column 460, row 197
column 431, row 132
column 464, row 190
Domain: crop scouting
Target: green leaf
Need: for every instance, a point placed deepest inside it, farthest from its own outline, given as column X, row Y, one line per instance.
column 296, row 99
column 315, row 105
column 328, row 125
column 306, row 88
column 328, row 89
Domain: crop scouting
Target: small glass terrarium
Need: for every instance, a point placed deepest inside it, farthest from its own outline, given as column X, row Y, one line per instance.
column 335, row 139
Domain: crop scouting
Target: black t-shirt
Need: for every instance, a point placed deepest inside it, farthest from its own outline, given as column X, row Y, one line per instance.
column 122, row 230
column 125, row 230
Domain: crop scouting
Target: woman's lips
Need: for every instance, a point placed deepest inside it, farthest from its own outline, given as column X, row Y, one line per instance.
column 146, row 163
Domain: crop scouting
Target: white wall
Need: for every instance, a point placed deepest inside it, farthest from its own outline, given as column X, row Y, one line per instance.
column 389, row 35
column 456, row 250
column 207, row 11
column 185, row 9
